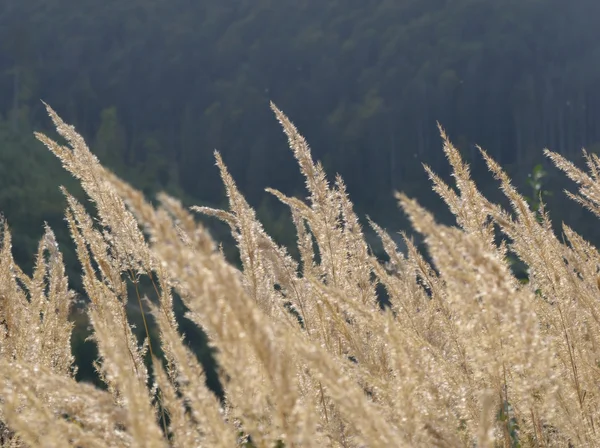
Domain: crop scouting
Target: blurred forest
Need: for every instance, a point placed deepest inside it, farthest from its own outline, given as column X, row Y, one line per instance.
column 156, row 85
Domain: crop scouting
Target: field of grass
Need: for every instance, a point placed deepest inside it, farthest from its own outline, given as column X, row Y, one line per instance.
column 460, row 353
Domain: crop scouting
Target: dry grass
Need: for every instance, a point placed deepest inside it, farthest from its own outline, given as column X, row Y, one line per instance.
column 465, row 355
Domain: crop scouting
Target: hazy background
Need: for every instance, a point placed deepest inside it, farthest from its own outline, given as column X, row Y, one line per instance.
column 156, row 85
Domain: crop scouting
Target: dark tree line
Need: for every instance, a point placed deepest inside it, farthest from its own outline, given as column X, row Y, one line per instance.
column 156, row 85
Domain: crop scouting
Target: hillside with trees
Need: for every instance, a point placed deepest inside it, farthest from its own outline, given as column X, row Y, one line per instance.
column 157, row 85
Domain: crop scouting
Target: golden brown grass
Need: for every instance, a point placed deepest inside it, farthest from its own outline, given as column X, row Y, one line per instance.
column 465, row 355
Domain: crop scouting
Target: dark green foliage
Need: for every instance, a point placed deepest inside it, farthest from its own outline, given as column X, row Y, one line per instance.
column 509, row 422
column 538, row 193
column 158, row 85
